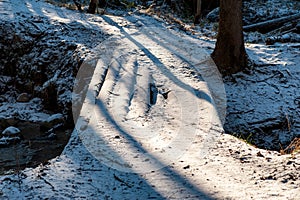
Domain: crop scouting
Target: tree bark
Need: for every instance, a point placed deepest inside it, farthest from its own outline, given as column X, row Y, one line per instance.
column 198, row 12
column 230, row 54
column 78, row 5
column 92, row 6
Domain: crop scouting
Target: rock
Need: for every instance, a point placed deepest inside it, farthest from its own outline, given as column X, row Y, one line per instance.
column 12, row 121
column 139, row 24
column 54, row 120
column 213, row 16
column 11, row 131
column 52, row 136
column 5, row 141
column 6, row 122
column 24, row 97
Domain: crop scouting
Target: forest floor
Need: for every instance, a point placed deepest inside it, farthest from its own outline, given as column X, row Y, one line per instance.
column 151, row 126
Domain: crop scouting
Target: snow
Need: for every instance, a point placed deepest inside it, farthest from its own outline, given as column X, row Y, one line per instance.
column 269, row 9
column 31, row 111
column 55, row 117
column 11, row 131
column 120, row 146
column 274, row 87
column 164, row 128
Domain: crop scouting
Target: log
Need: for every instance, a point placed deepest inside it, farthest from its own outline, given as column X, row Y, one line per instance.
column 285, row 38
column 266, row 26
column 280, row 31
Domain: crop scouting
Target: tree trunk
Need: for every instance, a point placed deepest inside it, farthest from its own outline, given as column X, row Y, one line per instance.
column 78, row 5
column 92, row 6
column 230, row 54
column 198, row 12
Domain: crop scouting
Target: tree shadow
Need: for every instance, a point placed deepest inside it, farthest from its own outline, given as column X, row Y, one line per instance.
column 172, row 175
column 160, row 65
column 175, row 177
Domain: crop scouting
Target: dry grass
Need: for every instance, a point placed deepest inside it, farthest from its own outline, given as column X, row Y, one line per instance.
column 293, row 148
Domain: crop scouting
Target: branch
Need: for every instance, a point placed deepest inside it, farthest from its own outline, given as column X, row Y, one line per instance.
column 269, row 25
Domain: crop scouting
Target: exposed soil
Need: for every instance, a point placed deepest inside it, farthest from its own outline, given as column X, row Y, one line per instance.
column 39, row 58
column 228, row 170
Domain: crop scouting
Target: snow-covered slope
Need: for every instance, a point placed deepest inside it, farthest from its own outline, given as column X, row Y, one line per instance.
column 144, row 57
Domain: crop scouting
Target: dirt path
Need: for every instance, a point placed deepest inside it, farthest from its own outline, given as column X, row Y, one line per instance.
column 151, row 131
column 150, row 94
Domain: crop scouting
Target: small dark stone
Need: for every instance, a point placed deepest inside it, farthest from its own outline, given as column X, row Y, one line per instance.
column 289, row 162
column 260, row 154
column 284, row 181
column 24, row 97
column 186, row 167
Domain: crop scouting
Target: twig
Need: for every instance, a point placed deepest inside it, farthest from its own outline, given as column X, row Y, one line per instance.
column 48, row 183
column 113, row 93
column 122, row 181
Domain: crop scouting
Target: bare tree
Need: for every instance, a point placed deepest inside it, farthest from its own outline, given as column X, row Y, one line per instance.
column 78, row 5
column 92, row 6
column 229, row 54
column 198, row 12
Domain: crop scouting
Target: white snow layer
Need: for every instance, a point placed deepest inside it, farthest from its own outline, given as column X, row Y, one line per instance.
column 128, row 147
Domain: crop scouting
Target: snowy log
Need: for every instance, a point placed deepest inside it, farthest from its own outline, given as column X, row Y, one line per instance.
column 270, row 25
column 288, row 37
column 287, row 27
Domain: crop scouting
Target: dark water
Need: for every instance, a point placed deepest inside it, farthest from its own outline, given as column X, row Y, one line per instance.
column 37, row 146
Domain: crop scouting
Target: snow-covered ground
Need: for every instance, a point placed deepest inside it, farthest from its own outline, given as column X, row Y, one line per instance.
column 156, row 82
column 263, row 105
